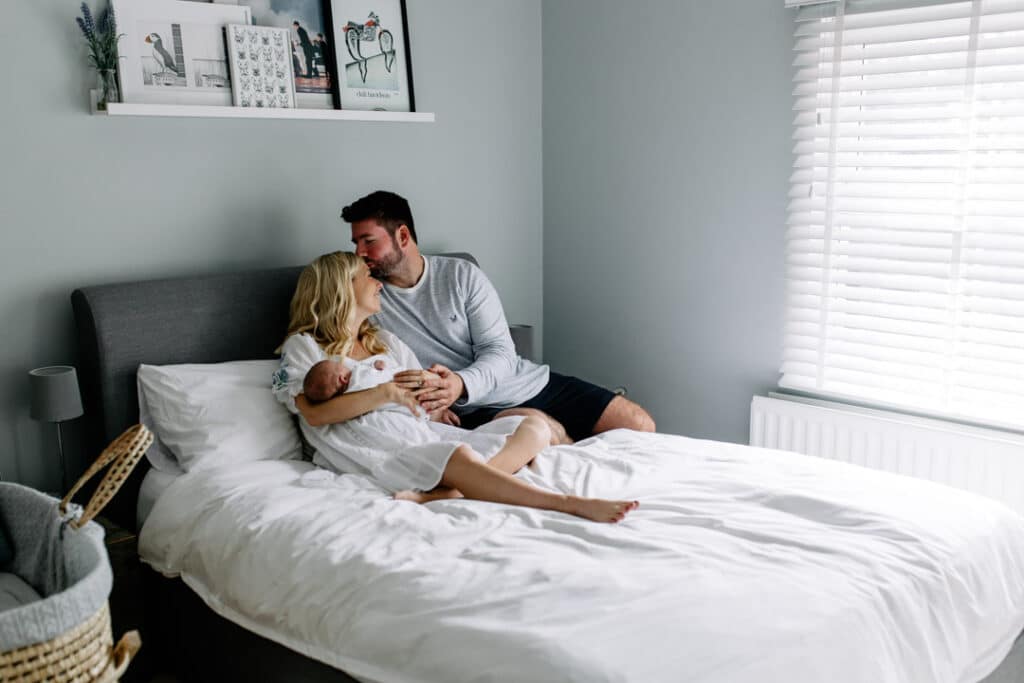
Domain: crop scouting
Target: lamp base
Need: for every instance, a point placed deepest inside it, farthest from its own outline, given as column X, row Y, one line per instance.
column 63, row 468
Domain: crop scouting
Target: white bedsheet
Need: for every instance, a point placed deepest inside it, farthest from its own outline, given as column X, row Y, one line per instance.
column 741, row 564
column 153, row 485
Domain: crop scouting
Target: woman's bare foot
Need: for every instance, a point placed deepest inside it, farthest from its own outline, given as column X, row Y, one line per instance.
column 439, row 493
column 600, row 510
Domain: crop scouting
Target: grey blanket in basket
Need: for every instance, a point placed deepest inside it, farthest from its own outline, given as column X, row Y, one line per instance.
column 67, row 567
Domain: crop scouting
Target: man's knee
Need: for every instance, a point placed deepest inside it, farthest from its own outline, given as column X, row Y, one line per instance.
column 638, row 419
column 622, row 413
column 644, row 422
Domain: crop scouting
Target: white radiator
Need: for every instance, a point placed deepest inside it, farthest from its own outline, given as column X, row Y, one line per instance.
column 984, row 461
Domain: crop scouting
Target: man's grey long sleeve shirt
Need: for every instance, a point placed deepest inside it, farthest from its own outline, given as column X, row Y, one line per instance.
column 453, row 317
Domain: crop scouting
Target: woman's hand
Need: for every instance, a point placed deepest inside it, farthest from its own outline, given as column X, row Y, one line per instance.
column 417, row 381
column 446, row 416
column 395, row 392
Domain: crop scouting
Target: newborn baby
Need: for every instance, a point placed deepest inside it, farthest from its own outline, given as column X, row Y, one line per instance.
column 328, row 378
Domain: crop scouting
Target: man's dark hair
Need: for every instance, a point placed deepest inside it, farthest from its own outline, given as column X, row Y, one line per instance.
column 387, row 208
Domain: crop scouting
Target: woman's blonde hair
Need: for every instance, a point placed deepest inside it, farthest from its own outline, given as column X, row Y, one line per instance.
column 324, row 305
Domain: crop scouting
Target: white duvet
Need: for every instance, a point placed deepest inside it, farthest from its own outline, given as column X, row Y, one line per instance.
column 741, row 564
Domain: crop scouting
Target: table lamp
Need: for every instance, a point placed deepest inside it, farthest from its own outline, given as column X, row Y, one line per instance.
column 56, row 398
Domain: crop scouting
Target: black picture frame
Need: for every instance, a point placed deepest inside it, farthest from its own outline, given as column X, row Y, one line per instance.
column 371, row 74
column 315, row 16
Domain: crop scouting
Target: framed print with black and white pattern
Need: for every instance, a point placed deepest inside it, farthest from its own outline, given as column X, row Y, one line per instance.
column 311, row 50
column 261, row 67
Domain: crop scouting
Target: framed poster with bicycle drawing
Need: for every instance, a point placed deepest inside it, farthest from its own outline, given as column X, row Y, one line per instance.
column 372, row 48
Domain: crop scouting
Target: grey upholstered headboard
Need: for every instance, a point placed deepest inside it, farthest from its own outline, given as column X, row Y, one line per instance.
column 189, row 320
column 212, row 319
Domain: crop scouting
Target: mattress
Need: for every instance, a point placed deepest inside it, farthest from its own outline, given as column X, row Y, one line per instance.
column 741, row 565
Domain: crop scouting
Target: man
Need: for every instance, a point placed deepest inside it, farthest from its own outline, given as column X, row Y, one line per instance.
column 449, row 313
column 307, row 51
column 320, row 43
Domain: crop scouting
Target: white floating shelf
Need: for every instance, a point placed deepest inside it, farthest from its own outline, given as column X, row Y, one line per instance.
column 182, row 110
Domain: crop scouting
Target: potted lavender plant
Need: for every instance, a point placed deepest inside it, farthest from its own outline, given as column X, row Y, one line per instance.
column 101, row 38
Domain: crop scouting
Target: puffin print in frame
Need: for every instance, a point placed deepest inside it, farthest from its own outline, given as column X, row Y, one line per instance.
column 173, row 52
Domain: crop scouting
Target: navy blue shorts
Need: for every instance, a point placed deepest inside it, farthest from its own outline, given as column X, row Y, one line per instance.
column 577, row 404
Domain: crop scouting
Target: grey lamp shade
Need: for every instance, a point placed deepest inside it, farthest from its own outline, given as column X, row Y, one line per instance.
column 55, row 395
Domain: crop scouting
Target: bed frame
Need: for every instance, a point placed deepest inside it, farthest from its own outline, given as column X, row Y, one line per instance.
column 241, row 316
column 192, row 320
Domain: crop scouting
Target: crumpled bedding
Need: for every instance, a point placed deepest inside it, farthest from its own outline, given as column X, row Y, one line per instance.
column 742, row 565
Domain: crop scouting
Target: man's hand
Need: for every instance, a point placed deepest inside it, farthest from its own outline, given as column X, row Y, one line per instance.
column 435, row 388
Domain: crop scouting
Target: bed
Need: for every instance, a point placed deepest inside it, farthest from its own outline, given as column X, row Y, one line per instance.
column 742, row 564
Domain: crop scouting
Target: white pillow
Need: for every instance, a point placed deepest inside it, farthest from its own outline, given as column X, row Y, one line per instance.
column 159, row 456
column 209, row 415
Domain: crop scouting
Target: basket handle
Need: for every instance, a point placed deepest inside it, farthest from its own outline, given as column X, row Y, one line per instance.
column 124, row 452
column 123, row 652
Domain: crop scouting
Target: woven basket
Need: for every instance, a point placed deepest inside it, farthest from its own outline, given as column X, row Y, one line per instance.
column 84, row 653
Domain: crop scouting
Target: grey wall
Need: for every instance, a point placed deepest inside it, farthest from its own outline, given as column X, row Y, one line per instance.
column 666, row 158
column 88, row 199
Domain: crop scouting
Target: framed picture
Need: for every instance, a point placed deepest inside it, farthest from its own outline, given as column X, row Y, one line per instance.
column 311, row 51
column 372, row 53
column 261, row 67
column 173, row 51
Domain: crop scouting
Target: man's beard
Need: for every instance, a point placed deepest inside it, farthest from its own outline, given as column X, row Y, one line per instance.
column 383, row 268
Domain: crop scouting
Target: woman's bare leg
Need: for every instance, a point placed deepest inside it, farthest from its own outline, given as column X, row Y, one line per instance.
column 468, row 473
column 522, row 446
column 436, row 493
column 559, row 437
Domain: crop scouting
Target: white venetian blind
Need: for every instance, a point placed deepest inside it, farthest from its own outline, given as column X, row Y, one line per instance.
column 905, row 240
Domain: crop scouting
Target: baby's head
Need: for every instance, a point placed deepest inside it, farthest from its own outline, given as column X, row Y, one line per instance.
column 326, row 379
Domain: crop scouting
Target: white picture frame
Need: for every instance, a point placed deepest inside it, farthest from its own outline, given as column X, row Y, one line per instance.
column 261, row 67
column 174, row 52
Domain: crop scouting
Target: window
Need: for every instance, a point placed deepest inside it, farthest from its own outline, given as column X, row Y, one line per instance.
column 905, row 238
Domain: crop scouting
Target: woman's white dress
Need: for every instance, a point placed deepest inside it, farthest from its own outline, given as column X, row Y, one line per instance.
column 397, row 449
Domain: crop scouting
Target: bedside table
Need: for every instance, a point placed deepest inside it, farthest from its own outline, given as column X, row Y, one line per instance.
column 126, row 597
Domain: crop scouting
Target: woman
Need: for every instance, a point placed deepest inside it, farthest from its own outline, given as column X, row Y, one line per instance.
column 376, row 431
